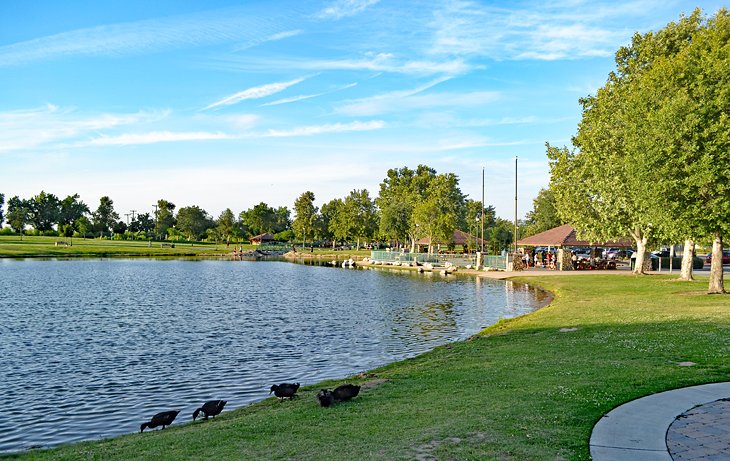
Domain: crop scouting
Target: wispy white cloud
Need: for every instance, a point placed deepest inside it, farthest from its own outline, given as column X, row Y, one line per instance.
column 327, row 128
column 413, row 99
column 255, row 93
column 344, row 8
column 379, row 62
column 548, row 31
column 217, row 26
column 271, row 38
column 32, row 128
column 153, row 138
column 306, row 96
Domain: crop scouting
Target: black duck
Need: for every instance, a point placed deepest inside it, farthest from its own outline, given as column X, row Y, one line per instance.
column 325, row 398
column 284, row 390
column 210, row 408
column 345, row 392
column 163, row 419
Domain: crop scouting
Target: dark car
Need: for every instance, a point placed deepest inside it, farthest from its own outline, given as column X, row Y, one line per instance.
column 725, row 257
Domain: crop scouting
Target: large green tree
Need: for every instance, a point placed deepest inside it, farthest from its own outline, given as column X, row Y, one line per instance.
column 440, row 211
column 193, row 221
column 226, row 224
column 2, row 215
column 306, row 216
column 164, row 217
column 607, row 188
column 361, row 215
column 259, row 219
column 18, row 213
column 72, row 209
column 544, row 214
column 400, row 192
column 329, row 221
column 44, row 211
column 104, row 218
column 683, row 131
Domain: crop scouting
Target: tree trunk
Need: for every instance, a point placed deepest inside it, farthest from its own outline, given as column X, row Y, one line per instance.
column 358, row 244
column 641, row 253
column 716, row 277
column 687, row 260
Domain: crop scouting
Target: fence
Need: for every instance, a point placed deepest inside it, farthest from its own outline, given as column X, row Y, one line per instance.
column 462, row 260
column 497, row 262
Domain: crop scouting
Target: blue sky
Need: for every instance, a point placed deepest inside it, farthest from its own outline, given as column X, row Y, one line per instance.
column 225, row 104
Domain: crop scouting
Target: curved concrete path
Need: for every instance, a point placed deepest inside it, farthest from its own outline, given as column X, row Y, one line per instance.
column 637, row 430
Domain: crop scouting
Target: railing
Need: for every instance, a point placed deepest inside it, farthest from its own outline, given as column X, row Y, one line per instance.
column 273, row 247
column 462, row 260
column 497, row 262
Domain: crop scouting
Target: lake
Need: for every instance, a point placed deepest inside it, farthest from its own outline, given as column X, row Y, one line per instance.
column 93, row 348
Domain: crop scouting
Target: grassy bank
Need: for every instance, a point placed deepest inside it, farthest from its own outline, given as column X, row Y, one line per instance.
column 41, row 247
column 527, row 388
column 34, row 247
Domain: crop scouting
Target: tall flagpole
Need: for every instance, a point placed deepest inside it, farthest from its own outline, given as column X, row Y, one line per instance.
column 515, row 204
column 482, row 210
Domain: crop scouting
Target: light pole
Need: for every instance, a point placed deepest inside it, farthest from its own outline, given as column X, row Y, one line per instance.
column 482, row 246
column 515, row 204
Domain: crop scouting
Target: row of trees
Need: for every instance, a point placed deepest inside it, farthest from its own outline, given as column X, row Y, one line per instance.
column 651, row 158
column 411, row 204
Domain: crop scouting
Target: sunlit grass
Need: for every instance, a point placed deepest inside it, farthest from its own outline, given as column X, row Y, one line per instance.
column 37, row 246
column 527, row 388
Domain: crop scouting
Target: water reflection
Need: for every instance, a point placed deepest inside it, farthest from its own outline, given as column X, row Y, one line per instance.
column 90, row 348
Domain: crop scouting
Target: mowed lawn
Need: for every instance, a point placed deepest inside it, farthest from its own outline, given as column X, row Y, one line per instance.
column 32, row 246
column 526, row 389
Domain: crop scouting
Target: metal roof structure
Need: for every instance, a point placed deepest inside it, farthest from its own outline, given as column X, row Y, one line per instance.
column 565, row 236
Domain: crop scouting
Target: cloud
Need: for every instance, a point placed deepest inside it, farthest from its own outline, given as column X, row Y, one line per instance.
column 381, row 62
column 327, row 128
column 33, row 128
column 405, row 100
column 255, row 93
column 217, row 26
column 271, row 38
column 344, row 8
column 548, row 31
column 154, row 137
column 306, row 96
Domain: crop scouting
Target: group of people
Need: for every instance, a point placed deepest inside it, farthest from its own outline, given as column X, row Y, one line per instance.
column 544, row 259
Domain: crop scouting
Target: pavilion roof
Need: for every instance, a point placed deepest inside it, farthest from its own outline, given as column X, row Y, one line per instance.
column 459, row 238
column 565, row 236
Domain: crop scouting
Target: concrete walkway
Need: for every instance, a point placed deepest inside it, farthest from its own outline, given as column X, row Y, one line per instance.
column 692, row 423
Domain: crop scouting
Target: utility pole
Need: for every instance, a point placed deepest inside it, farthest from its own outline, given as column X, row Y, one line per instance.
column 127, row 215
column 482, row 210
column 156, row 223
column 133, row 214
column 515, row 204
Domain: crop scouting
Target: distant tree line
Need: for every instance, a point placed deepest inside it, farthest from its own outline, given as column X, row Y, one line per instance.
column 411, row 204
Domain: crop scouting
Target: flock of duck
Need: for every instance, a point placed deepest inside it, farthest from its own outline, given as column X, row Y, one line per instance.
column 283, row 391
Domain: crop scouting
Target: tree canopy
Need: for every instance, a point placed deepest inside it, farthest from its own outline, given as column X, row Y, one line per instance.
column 652, row 157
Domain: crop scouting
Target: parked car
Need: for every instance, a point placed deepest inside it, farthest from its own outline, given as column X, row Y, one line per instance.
column 725, row 257
column 613, row 253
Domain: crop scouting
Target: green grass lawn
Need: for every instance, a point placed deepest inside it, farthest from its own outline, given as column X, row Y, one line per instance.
column 33, row 247
column 521, row 390
column 28, row 247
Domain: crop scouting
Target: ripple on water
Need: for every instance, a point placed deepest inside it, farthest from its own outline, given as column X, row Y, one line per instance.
column 92, row 348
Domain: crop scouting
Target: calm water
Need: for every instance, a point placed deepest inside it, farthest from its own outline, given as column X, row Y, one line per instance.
column 93, row 348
